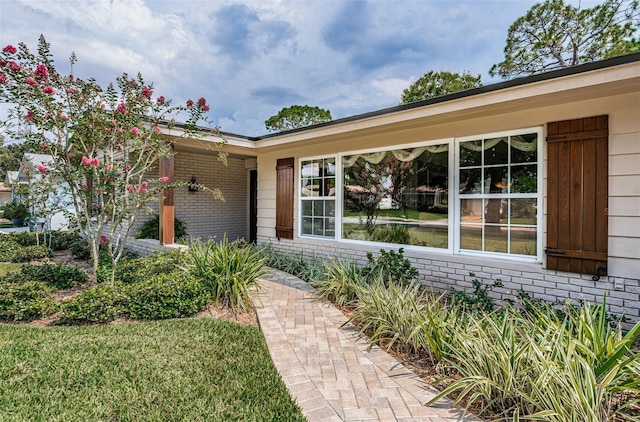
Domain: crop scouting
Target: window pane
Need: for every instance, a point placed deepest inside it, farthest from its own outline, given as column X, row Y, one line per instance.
column 307, row 208
column 495, row 210
column 471, row 237
column 330, row 167
column 307, row 225
column 496, row 238
column 470, row 153
column 524, row 179
column 495, row 180
column 310, row 169
column 397, row 197
column 470, row 181
column 524, row 211
column 523, row 240
column 471, row 211
column 524, row 148
column 496, row 151
column 305, row 187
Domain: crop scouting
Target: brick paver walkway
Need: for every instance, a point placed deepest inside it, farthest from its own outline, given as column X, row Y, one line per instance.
column 330, row 370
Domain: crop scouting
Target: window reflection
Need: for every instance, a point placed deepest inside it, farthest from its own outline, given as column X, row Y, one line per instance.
column 398, row 196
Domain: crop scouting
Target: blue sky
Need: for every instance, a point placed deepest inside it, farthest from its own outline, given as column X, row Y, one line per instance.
column 251, row 58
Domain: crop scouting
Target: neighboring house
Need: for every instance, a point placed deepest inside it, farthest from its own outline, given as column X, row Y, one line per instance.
column 534, row 181
column 9, row 180
column 5, row 193
column 55, row 204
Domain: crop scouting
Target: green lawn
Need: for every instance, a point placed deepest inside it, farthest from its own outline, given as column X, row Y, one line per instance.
column 193, row 370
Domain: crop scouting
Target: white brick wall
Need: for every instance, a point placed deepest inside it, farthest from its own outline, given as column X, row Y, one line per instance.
column 441, row 272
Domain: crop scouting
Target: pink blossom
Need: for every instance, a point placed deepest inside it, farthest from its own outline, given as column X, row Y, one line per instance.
column 42, row 169
column 158, row 130
column 63, row 117
column 135, row 131
column 143, row 188
column 41, row 72
column 95, row 162
column 146, row 92
column 3, row 62
column 109, row 167
column 122, row 108
column 86, row 161
column 32, row 82
column 104, row 240
column 103, row 105
column 113, row 122
column 131, row 188
column 29, row 117
column 127, row 167
column 48, row 90
column 3, row 79
column 161, row 99
column 202, row 101
column 189, row 103
column 164, row 179
column 13, row 65
column 9, row 49
column 205, row 107
column 85, row 187
column 44, row 144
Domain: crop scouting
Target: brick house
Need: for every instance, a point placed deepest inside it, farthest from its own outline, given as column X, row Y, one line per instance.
column 535, row 181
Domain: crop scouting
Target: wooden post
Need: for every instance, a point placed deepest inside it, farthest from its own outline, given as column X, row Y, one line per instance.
column 167, row 211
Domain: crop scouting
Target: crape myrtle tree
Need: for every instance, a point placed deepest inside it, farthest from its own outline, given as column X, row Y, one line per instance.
column 297, row 116
column 104, row 142
column 554, row 35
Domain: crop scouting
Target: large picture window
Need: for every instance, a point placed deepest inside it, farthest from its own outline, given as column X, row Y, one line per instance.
column 497, row 194
column 317, row 197
column 397, row 196
column 401, row 196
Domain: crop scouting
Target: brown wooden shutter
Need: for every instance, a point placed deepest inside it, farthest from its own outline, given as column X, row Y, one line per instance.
column 284, row 198
column 578, row 195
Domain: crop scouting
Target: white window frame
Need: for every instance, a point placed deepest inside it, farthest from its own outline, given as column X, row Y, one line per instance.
column 454, row 216
column 300, row 198
column 539, row 196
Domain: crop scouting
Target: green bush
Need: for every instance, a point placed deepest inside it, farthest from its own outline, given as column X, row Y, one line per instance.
column 31, row 253
column 229, row 269
column 25, row 301
column 55, row 239
column 479, row 300
column 58, row 276
column 80, row 249
column 62, row 240
column 151, row 229
column 8, row 249
column 99, row 304
column 390, row 267
column 133, row 270
column 167, row 295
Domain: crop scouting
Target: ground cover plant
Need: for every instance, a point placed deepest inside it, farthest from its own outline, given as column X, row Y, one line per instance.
column 520, row 360
column 194, row 369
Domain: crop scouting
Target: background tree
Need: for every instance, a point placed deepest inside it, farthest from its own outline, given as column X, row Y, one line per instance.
column 554, row 35
column 297, row 116
column 434, row 84
column 11, row 156
column 103, row 141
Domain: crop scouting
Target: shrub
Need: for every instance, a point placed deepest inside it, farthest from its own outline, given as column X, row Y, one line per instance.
column 340, row 283
column 99, row 304
column 229, row 269
column 167, row 295
column 479, row 299
column 62, row 240
column 133, row 270
column 55, row 239
column 390, row 266
column 80, row 249
column 59, row 276
column 25, row 301
column 23, row 238
column 306, row 269
column 8, row 249
column 31, row 253
column 151, row 229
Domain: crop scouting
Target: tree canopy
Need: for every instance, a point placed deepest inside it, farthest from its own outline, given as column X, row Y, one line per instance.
column 434, row 84
column 554, row 35
column 11, row 156
column 297, row 116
